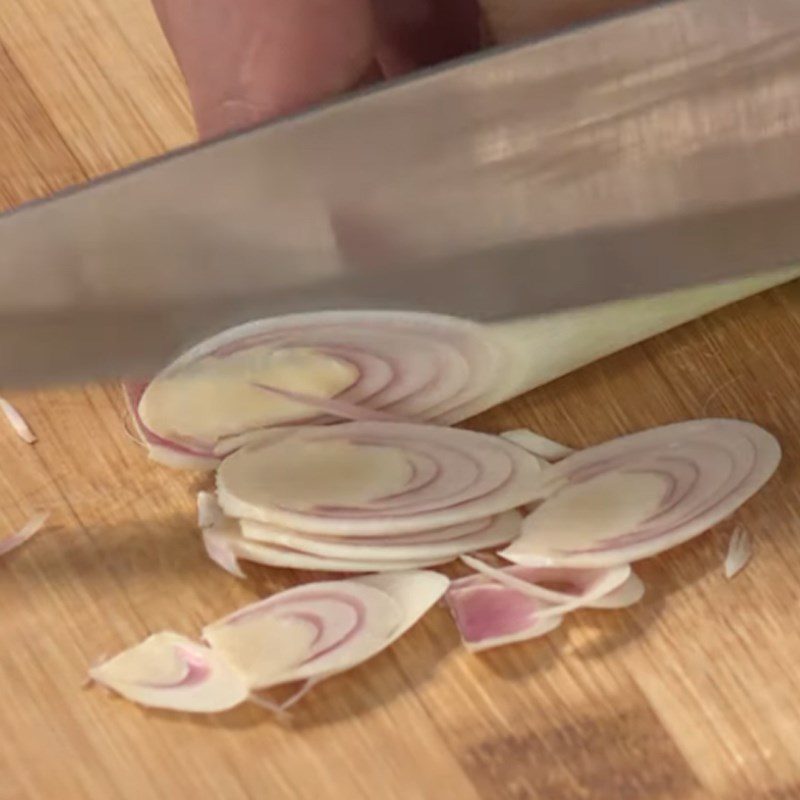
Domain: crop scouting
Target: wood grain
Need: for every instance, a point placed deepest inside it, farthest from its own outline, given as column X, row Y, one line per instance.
column 692, row 694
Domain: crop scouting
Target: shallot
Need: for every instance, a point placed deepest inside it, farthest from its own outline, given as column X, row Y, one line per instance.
column 740, row 551
column 29, row 529
column 167, row 670
column 639, row 495
column 17, row 422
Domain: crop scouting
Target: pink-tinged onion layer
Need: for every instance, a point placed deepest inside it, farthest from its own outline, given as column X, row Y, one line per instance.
column 315, row 368
column 490, row 615
column 169, row 671
column 639, row 495
column 375, row 479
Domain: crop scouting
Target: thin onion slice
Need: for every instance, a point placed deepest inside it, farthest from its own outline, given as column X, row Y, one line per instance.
column 580, row 588
column 447, row 542
column 217, row 543
column 17, row 422
column 273, row 555
column 740, row 551
column 491, row 614
column 169, row 671
column 372, row 479
column 538, row 445
column 319, row 629
column 639, row 495
column 317, row 367
column 28, row 530
column 209, row 512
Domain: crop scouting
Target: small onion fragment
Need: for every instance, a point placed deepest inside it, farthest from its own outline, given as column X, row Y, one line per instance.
column 740, row 551
column 169, row 671
column 316, row 630
column 217, row 542
column 230, row 546
column 499, row 606
column 491, row 614
column 538, row 445
column 28, row 530
column 321, row 368
column 17, row 422
column 373, row 479
column 639, row 495
column 209, row 512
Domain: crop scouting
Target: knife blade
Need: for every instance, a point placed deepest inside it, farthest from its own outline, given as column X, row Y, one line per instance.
column 643, row 153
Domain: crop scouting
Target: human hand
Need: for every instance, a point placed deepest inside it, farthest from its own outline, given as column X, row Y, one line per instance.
column 249, row 60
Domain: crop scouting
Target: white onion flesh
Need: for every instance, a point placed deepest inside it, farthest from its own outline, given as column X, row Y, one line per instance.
column 26, row 532
column 375, row 478
column 639, row 495
column 169, row 671
column 218, row 543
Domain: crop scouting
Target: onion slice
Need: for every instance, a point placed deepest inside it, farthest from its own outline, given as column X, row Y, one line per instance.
column 209, row 512
column 438, row 543
column 373, row 479
column 17, row 421
column 317, row 367
column 538, row 445
column 169, row 671
column 491, row 614
column 28, row 530
column 740, row 551
column 319, row 629
column 217, row 542
column 232, row 546
column 639, row 495
column 580, row 588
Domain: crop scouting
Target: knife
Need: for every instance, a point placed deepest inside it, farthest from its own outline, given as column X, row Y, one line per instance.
column 647, row 152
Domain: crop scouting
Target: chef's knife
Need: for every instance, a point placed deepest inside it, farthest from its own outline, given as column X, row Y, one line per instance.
column 649, row 151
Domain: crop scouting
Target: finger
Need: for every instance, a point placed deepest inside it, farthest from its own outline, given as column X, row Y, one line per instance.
column 418, row 33
column 249, row 60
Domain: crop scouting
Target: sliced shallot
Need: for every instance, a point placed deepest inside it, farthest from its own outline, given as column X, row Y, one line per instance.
column 209, row 512
column 491, row 614
column 437, row 543
column 167, row 670
column 313, row 631
column 228, row 548
column 217, row 541
column 29, row 529
column 740, row 551
column 317, row 367
column 639, row 495
column 373, row 479
column 17, row 421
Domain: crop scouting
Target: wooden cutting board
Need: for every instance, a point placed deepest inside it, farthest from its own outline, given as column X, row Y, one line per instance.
column 691, row 694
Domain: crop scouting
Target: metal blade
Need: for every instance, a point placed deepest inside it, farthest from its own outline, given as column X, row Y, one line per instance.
column 648, row 152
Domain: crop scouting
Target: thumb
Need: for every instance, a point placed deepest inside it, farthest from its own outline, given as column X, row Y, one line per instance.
column 249, row 60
